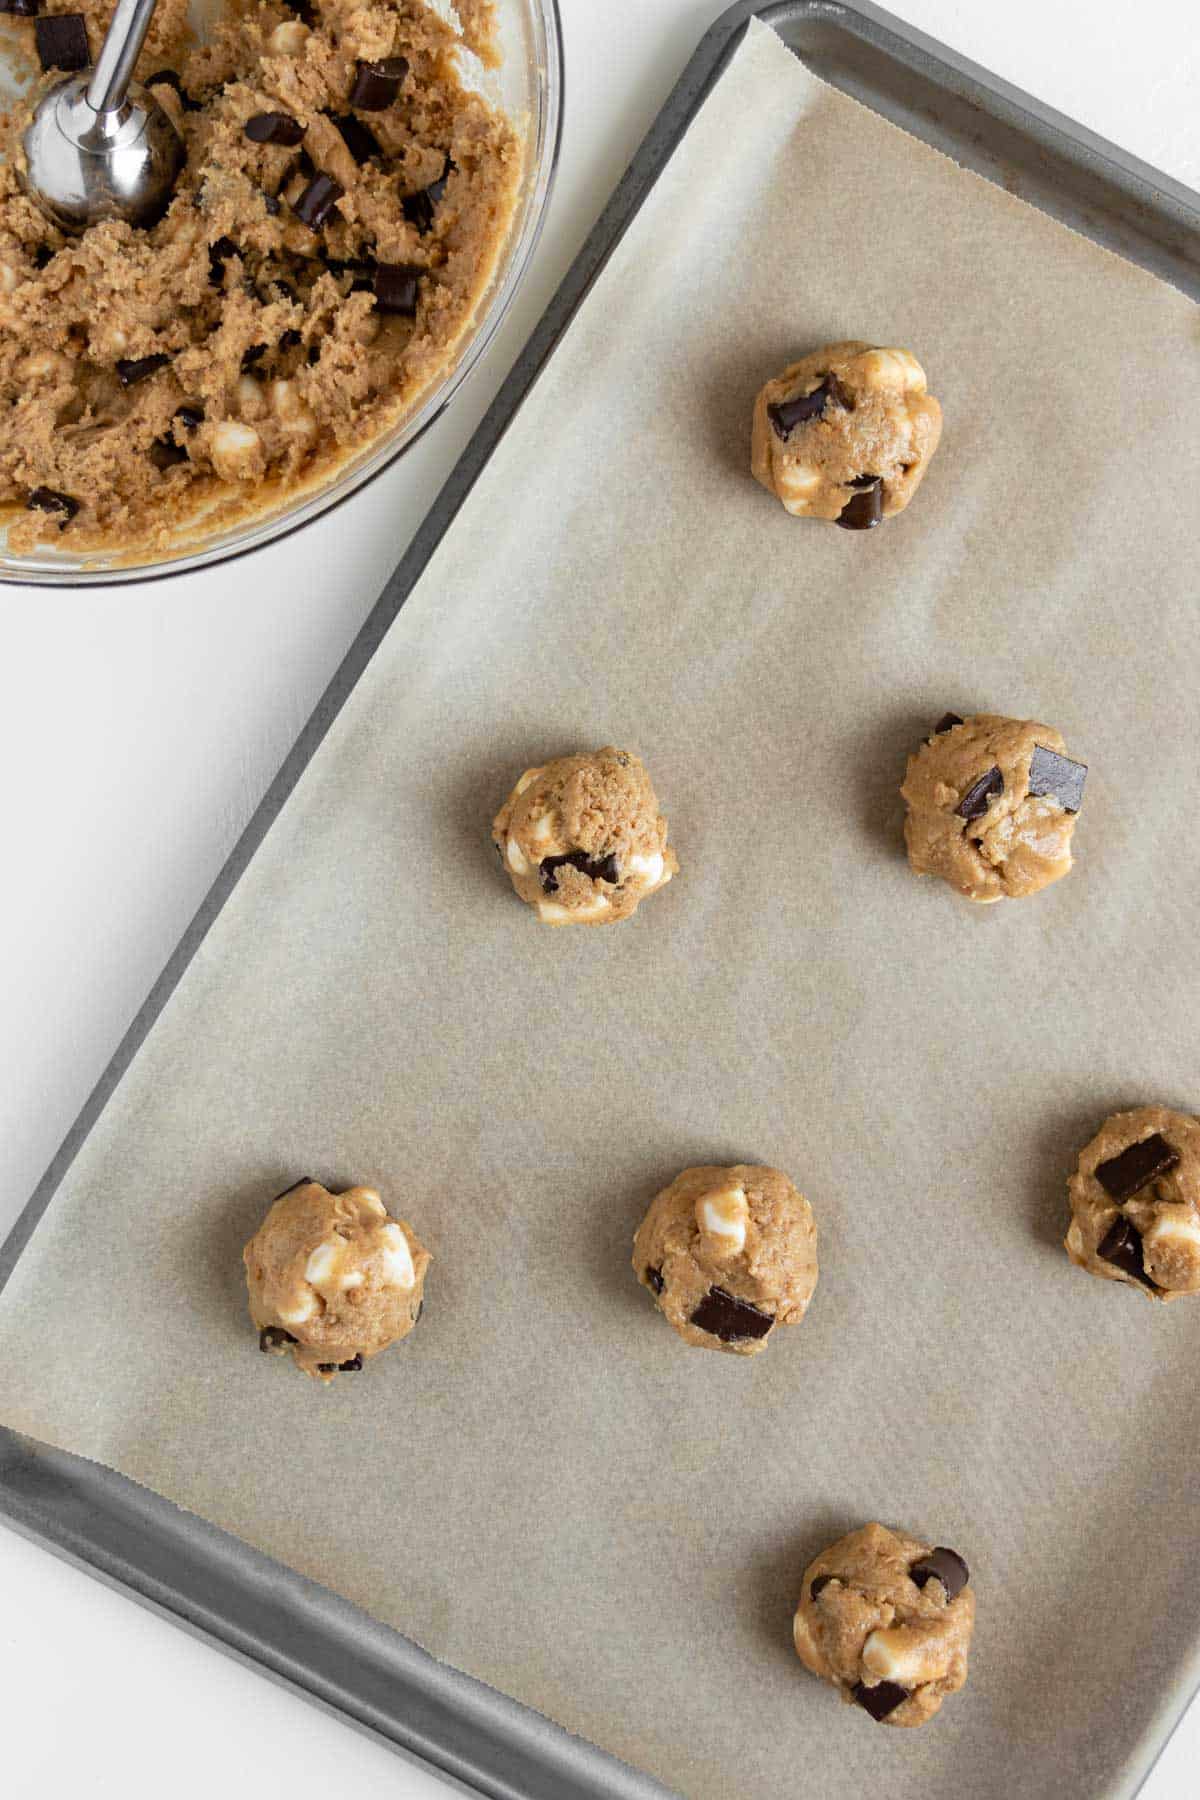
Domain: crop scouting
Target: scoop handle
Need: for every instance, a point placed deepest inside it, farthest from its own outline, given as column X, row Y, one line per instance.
column 121, row 49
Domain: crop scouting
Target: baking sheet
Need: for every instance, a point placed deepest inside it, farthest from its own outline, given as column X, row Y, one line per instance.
column 543, row 1486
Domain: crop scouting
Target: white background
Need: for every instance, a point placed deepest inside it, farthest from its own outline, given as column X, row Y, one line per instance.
column 138, row 729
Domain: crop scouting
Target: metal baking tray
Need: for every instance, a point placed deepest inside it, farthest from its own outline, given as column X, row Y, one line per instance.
column 283, row 1624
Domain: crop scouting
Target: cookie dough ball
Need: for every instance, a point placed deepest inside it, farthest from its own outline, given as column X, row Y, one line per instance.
column 332, row 1279
column 728, row 1254
column 583, row 840
column 888, row 1620
column 845, row 434
column 992, row 804
column 1135, row 1203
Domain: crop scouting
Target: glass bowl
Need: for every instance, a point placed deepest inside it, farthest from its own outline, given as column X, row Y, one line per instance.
column 529, row 86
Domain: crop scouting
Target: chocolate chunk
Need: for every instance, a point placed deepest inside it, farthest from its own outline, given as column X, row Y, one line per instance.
column 218, row 255
column 1058, row 776
column 274, row 1337
column 284, row 289
column 604, row 868
column 358, row 138
column 655, row 1279
column 729, row 1318
column 943, row 1565
column 289, row 340
column 420, row 1310
column 865, row 510
column 376, row 84
column 42, row 255
column 168, row 78
column 785, row 415
column 62, row 41
column 1126, row 1175
column 327, row 1368
column 980, row 794
column 418, row 208
column 318, row 201
column 165, row 453
column 352, row 1367
column 1122, row 1246
column 304, row 1181
column 272, row 205
column 817, row 1583
column 49, row 500
column 274, row 128
column 254, row 354
column 189, row 417
column 396, row 288
column 863, row 481
column 20, row 9
column 314, row 354
column 132, row 370
column 947, row 722
column 881, row 1699
column 303, row 10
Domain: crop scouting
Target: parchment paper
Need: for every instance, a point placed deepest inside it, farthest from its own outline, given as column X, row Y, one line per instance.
column 545, row 1486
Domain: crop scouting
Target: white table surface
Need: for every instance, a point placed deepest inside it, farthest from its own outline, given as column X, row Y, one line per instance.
column 138, row 729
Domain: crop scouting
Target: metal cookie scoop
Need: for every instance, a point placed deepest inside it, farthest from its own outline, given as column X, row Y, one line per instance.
column 99, row 147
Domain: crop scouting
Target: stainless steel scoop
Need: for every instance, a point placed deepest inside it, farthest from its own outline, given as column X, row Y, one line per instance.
column 99, row 146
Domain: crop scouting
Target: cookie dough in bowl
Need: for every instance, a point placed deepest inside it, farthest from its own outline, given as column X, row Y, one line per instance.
column 583, row 840
column 887, row 1619
column 729, row 1254
column 845, row 434
column 1135, row 1203
column 992, row 804
column 345, row 221
column 333, row 1280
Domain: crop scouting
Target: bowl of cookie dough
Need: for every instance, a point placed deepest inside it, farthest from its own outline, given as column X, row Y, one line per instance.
column 364, row 186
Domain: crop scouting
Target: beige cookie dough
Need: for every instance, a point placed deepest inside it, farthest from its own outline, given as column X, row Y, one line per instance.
column 992, row 804
column 332, row 1279
column 583, row 840
column 729, row 1254
column 280, row 353
column 1135, row 1203
column 887, row 1619
column 845, row 434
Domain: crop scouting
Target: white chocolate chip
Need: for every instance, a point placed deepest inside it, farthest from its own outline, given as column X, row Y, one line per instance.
column 296, row 1315
column 354, row 1279
column 250, row 397
column 649, row 867
column 904, row 1654
column 542, row 829
column 725, row 1217
column 591, row 909
column 799, row 478
column 552, row 913
column 292, row 409
column 234, row 449
column 288, row 39
column 397, row 1258
column 1075, row 1238
column 516, row 861
column 806, row 1646
column 322, row 1262
column 893, row 369
column 8, row 279
column 43, row 364
column 1172, row 1228
column 370, row 1199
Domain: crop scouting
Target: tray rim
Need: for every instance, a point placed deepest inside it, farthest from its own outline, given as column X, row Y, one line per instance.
column 1143, row 186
